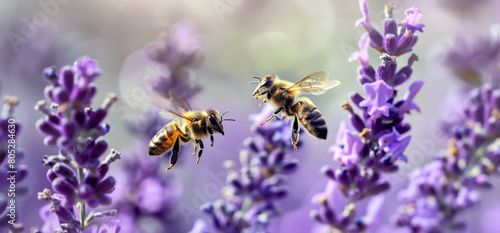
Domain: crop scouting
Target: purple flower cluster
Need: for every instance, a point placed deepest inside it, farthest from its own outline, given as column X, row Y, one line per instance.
column 59, row 218
column 474, row 57
column 396, row 40
column 78, row 173
column 254, row 187
column 148, row 197
column 440, row 191
column 180, row 54
column 10, row 156
column 374, row 140
column 180, row 51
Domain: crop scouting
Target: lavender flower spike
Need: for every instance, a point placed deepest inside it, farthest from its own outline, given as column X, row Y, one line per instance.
column 180, row 52
column 441, row 191
column 146, row 199
column 254, row 188
column 376, row 140
column 78, row 173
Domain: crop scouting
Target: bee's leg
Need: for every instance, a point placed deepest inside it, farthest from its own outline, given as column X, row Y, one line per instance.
column 175, row 153
column 295, row 131
column 264, row 98
column 262, row 104
column 195, row 148
column 211, row 135
column 276, row 111
column 201, row 150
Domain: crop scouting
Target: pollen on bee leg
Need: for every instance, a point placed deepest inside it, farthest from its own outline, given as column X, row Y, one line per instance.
column 295, row 140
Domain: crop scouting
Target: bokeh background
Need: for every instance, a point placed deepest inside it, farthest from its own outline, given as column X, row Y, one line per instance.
column 240, row 39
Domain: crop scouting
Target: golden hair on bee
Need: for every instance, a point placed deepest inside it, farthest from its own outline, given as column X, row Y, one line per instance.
column 283, row 95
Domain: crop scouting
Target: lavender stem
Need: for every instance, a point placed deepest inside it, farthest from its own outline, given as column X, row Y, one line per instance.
column 82, row 203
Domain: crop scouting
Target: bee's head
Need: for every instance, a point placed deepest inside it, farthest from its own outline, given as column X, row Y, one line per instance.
column 263, row 86
column 215, row 120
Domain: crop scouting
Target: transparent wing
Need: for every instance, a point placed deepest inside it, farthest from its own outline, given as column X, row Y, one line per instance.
column 174, row 107
column 178, row 102
column 169, row 114
column 317, row 83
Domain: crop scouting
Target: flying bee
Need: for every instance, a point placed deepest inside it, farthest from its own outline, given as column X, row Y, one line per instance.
column 283, row 95
column 187, row 126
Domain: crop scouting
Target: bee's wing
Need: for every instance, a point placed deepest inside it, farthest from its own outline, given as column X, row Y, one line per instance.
column 175, row 107
column 317, row 83
column 169, row 114
column 178, row 101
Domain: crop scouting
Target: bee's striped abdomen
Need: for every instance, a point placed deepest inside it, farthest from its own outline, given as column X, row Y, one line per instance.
column 311, row 118
column 164, row 139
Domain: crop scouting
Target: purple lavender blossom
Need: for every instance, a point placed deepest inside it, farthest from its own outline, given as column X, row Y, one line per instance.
column 348, row 154
column 395, row 40
column 411, row 22
column 339, row 219
column 10, row 156
column 148, row 199
column 374, row 142
column 57, row 217
column 78, row 173
column 180, row 54
column 254, row 187
column 378, row 93
column 180, row 51
column 441, row 191
column 474, row 57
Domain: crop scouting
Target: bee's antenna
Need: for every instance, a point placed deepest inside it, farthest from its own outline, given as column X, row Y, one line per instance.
column 256, row 81
column 221, row 119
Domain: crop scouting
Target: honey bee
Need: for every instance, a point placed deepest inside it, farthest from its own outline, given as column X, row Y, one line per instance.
column 283, row 95
column 187, row 126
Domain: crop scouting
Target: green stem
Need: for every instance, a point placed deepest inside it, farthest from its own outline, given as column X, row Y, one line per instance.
column 479, row 154
column 82, row 203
